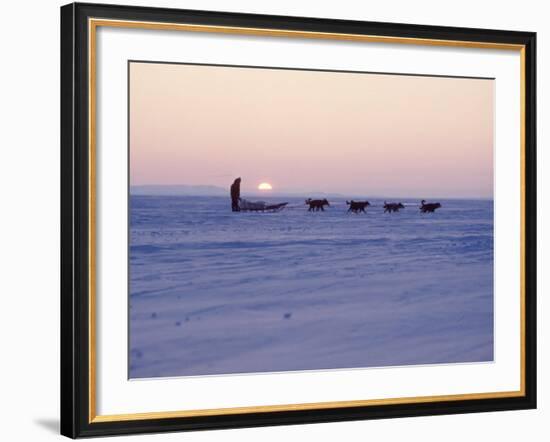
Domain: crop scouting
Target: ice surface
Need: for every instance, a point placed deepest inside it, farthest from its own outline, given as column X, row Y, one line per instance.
column 213, row 292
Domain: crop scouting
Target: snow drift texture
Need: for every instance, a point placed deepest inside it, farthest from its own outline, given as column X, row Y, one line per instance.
column 216, row 292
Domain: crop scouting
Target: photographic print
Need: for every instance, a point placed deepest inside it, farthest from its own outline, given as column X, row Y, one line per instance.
column 271, row 220
column 289, row 219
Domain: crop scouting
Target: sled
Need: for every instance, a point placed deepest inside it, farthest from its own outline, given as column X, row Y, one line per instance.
column 260, row 206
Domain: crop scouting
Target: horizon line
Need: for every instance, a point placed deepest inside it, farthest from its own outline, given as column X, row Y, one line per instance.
column 290, row 193
column 327, row 195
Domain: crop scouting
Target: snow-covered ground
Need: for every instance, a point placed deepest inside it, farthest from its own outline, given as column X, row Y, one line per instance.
column 215, row 292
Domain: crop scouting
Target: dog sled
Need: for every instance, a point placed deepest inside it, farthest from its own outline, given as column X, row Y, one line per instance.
column 260, row 206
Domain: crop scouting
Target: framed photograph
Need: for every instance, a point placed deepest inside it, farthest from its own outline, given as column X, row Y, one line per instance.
column 274, row 220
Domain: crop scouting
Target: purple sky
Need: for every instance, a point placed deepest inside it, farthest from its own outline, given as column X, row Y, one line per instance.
column 369, row 134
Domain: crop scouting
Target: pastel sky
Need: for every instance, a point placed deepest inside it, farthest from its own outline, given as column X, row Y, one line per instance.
column 348, row 133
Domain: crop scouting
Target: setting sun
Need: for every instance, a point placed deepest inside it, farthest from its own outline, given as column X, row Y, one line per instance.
column 265, row 186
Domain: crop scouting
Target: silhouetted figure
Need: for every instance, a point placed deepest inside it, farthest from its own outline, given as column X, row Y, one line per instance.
column 392, row 207
column 428, row 207
column 235, row 195
column 316, row 205
column 357, row 206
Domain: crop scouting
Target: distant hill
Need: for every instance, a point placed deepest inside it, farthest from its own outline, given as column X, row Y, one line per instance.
column 183, row 190
column 209, row 190
column 291, row 194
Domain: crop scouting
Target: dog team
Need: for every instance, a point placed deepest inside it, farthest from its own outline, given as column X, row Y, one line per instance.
column 360, row 206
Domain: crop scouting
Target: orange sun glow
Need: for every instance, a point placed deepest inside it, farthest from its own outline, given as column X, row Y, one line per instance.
column 265, row 186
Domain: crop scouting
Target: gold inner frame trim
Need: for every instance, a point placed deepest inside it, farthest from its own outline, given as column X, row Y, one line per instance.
column 306, row 406
column 93, row 24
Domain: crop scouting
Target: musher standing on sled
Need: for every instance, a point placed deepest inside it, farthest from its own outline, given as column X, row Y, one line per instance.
column 235, row 195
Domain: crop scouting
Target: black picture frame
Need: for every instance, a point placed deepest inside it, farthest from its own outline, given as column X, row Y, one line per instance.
column 75, row 221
